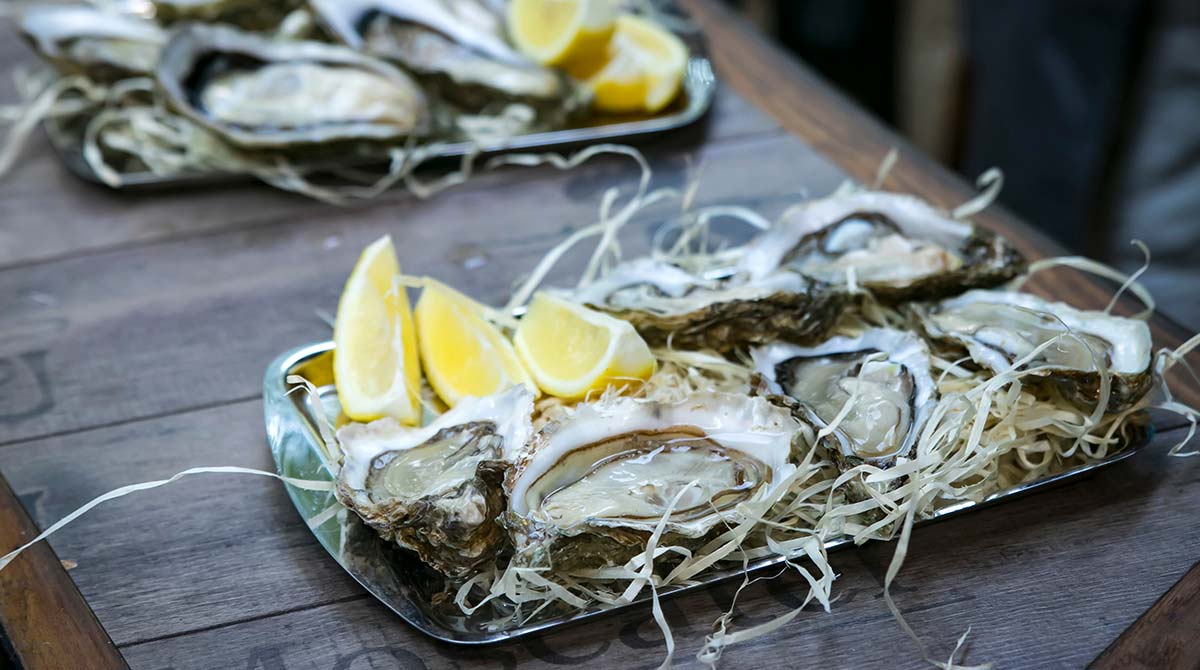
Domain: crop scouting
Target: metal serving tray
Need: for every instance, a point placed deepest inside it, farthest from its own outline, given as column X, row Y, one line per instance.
column 400, row 580
column 699, row 85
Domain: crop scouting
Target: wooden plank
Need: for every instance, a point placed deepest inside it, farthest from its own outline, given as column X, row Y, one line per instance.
column 140, row 332
column 44, row 622
column 41, row 202
column 999, row 571
column 1167, row 637
column 205, row 550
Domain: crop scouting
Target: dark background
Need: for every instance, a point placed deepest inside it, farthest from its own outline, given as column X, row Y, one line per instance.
column 1090, row 107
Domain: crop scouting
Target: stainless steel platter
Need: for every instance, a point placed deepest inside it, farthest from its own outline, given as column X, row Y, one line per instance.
column 399, row 580
column 699, row 85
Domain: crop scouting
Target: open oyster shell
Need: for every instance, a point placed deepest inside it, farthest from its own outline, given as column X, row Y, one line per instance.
column 105, row 46
column 260, row 93
column 437, row 490
column 595, row 484
column 457, row 47
column 669, row 304
column 880, row 379
column 898, row 247
column 997, row 328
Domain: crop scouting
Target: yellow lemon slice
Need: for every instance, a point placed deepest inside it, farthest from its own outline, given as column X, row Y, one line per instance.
column 570, row 34
column 572, row 351
column 375, row 364
column 643, row 71
column 463, row 354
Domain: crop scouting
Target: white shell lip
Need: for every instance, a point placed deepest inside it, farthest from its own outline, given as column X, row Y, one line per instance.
column 49, row 24
column 511, row 411
column 915, row 218
column 747, row 424
column 901, row 346
column 1130, row 338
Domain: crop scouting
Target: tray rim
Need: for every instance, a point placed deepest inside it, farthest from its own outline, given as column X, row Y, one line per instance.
column 284, row 365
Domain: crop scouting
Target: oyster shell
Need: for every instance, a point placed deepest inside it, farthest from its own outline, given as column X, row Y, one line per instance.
column 898, row 247
column 885, row 376
column 259, row 93
column 249, row 14
column 997, row 328
column 669, row 304
column 85, row 40
column 594, row 485
column 437, row 490
column 457, row 47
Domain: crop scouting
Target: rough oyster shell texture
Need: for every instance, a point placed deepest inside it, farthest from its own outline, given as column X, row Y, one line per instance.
column 883, row 374
column 594, row 486
column 999, row 327
column 259, row 93
column 437, row 490
column 668, row 305
column 897, row 246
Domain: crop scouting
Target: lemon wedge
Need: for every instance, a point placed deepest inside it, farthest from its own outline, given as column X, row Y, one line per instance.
column 463, row 354
column 643, row 70
column 569, row 34
column 572, row 351
column 375, row 364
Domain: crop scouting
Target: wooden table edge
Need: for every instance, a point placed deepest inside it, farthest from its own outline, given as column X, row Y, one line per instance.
column 45, row 623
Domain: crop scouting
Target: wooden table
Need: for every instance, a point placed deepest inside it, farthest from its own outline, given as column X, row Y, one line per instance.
column 134, row 330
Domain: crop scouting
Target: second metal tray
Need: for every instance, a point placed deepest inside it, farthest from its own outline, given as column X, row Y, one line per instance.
column 401, row 581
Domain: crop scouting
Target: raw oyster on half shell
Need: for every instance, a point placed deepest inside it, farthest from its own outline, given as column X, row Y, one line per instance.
column 875, row 389
column 437, row 490
column 668, row 304
column 595, row 485
column 261, row 93
column 999, row 328
column 896, row 246
column 457, row 47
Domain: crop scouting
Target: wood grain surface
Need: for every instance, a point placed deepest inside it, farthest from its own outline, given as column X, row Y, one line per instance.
column 134, row 329
column 40, row 607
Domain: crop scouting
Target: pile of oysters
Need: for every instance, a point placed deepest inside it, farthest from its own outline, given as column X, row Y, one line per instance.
column 259, row 82
column 586, row 488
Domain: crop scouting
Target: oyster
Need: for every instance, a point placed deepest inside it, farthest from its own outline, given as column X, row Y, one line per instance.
column 437, row 489
column 85, row 40
column 883, row 374
column 669, row 304
column 259, row 93
column 595, row 484
column 896, row 246
column 249, row 14
column 457, row 47
column 998, row 328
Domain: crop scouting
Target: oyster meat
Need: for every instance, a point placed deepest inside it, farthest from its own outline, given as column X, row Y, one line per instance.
column 437, row 490
column 86, row 40
column 999, row 328
column 249, row 14
column 896, row 246
column 875, row 388
column 259, row 93
column 457, row 47
column 669, row 304
column 595, row 485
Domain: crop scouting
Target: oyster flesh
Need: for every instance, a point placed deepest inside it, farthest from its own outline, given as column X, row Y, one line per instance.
column 998, row 328
column 456, row 46
column 595, row 484
column 79, row 39
column 668, row 304
column 437, row 490
column 896, row 246
column 259, row 93
column 881, row 379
